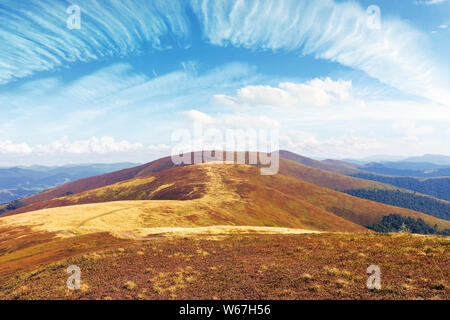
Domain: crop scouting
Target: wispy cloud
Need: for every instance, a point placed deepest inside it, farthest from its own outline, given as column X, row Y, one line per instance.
column 116, row 100
column 396, row 54
column 430, row 2
column 35, row 37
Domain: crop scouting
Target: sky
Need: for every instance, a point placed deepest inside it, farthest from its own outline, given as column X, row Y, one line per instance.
column 334, row 79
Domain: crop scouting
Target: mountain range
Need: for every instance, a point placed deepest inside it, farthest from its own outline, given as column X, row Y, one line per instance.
column 19, row 182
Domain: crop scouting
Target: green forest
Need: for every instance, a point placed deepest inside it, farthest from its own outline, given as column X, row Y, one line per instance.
column 435, row 187
column 433, row 207
column 398, row 223
column 13, row 205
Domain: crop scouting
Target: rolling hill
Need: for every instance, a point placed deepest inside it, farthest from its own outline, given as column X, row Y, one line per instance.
column 217, row 194
column 289, row 168
column 317, row 176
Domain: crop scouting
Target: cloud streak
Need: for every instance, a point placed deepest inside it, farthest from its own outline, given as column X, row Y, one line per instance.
column 431, row 2
column 35, row 37
column 396, row 54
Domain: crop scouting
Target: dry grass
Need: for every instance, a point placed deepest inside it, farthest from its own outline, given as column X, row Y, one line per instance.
column 241, row 266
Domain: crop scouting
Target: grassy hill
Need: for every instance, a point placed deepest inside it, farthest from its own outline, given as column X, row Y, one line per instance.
column 327, row 179
column 320, row 177
column 192, row 196
column 217, row 194
column 101, row 180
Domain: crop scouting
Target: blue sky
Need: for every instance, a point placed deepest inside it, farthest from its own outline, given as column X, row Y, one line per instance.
column 136, row 71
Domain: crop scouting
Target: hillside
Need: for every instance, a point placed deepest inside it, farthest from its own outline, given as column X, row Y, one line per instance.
column 294, row 169
column 193, row 196
column 221, row 195
column 145, row 188
column 325, row 178
column 100, row 180
column 435, row 187
column 329, row 165
column 434, row 207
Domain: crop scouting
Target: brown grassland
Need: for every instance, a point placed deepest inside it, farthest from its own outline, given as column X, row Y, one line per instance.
column 224, row 266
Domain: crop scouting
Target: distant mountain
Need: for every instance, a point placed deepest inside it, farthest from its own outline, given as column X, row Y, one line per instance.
column 433, row 158
column 428, row 158
column 407, row 169
column 329, row 165
column 341, row 163
column 375, row 158
column 405, row 165
column 19, row 182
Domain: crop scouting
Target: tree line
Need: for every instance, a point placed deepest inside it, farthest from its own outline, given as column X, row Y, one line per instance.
column 398, row 223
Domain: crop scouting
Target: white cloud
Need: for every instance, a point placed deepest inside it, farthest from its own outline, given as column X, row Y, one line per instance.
column 231, row 121
column 443, row 26
column 316, row 92
column 196, row 116
column 348, row 145
column 92, row 145
column 411, row 129
column 8, row 147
